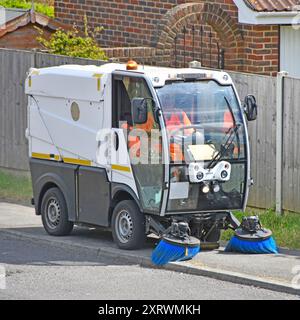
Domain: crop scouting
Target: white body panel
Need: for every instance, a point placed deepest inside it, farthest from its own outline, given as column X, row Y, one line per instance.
column 52, row 130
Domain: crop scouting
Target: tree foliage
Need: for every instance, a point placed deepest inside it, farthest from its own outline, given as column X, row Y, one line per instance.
column 74, row 43
column 44, row 7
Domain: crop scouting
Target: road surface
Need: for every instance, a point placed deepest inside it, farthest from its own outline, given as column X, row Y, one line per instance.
column 41, row 271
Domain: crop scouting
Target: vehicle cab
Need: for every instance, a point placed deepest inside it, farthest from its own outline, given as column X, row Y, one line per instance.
column 187, row 139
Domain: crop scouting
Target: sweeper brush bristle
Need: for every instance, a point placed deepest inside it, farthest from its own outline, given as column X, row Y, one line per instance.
column 266, row 246
column 252, row 238
column 166, row 252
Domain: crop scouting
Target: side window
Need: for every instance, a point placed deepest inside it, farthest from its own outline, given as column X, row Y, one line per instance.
column 136, row 88
column 121, row 104
column 126, row 89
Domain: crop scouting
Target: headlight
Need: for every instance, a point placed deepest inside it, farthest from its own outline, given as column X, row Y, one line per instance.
column 224, row 174
column 216, row 188
column 200, row 176
column 206, row 189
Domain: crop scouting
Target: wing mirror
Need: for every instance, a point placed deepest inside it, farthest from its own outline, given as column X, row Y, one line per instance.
column 250, row 108
column 139, row 110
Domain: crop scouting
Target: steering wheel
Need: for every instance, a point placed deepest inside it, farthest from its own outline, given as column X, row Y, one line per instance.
column 188, row 139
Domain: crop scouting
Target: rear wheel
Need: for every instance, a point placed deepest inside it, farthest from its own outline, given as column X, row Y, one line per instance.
column 55, row 213
column 128, row 226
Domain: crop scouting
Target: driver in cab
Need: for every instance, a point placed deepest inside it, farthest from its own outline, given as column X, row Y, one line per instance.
column 176, row 121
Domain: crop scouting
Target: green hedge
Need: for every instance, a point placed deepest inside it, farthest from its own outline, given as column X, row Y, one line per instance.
column 23, row 4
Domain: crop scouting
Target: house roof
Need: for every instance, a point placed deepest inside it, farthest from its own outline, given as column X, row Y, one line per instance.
column 268, row 12
column 17, row 18
column 273, row 5
column 11, row 14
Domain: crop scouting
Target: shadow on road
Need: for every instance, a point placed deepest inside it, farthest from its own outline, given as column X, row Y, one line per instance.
column 85, row 246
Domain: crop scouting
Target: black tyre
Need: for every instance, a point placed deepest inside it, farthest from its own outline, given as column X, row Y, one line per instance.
column 55, row 213
column 128, row 226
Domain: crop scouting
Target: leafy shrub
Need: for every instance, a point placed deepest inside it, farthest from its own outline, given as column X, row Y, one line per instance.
column 74, row 44
column 43, row 8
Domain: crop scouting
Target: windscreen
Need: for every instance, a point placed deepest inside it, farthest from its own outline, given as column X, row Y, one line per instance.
column 205, row 127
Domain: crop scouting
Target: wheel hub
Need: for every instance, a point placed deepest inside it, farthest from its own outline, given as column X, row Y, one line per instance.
column 124, row 226
column 53, row 213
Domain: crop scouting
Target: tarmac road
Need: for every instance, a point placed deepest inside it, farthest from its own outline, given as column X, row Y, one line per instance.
column 41, row 271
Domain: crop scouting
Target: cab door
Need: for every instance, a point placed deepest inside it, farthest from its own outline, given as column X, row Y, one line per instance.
column 143, row 141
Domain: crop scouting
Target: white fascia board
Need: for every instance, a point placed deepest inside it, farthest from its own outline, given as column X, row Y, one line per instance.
column 248, row 16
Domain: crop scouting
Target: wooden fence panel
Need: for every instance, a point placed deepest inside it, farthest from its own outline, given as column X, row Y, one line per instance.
column 262, row 136
column 291, row 145
column 13, row 116
column 43, row 60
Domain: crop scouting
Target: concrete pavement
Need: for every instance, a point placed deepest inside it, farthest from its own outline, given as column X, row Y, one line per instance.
column 274, row 272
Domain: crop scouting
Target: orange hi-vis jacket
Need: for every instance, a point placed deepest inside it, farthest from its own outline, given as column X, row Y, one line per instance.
column 228, row 121
column 173, row 123
column 134, row 142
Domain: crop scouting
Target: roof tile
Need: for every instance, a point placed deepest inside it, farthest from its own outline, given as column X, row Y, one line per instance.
column 273, row 5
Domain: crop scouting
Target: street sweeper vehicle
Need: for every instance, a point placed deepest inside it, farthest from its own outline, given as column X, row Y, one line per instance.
column 143, row 150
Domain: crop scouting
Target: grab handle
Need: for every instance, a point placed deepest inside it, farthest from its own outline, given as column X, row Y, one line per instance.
column 117, row 141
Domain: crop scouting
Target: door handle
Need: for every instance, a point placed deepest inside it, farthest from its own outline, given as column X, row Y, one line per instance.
column 117, row 141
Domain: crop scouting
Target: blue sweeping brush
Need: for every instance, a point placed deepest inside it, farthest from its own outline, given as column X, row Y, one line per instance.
column 170, row 250
column 251, row 238
column 176, row 245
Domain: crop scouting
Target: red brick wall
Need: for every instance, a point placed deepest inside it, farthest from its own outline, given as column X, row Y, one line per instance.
column 137, row 23
column 262, row 49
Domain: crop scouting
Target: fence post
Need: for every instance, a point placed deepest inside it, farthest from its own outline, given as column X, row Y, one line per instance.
column 279, row 140
column 33, row 59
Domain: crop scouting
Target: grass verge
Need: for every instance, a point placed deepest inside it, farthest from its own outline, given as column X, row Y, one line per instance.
column 43, row 8
column 286, row 228
column 16, row 189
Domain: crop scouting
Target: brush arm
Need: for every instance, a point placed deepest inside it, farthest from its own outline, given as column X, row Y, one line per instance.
column 235, row 223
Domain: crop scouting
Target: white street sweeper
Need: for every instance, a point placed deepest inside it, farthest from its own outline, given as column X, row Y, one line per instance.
column 141, row 150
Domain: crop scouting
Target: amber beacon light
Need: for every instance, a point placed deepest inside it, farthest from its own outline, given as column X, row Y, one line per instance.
column 132, row 65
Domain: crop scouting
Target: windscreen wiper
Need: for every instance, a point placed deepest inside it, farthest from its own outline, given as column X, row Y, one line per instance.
column 225, row 147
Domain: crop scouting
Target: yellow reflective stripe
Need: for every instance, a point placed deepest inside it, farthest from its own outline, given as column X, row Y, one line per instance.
column 120, row 168
column 78, row 161
column 33, row 73
column 98, row 76
column 45, row 156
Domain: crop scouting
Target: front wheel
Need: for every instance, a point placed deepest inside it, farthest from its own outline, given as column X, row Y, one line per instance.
column 55, row 213
column 128, row 226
